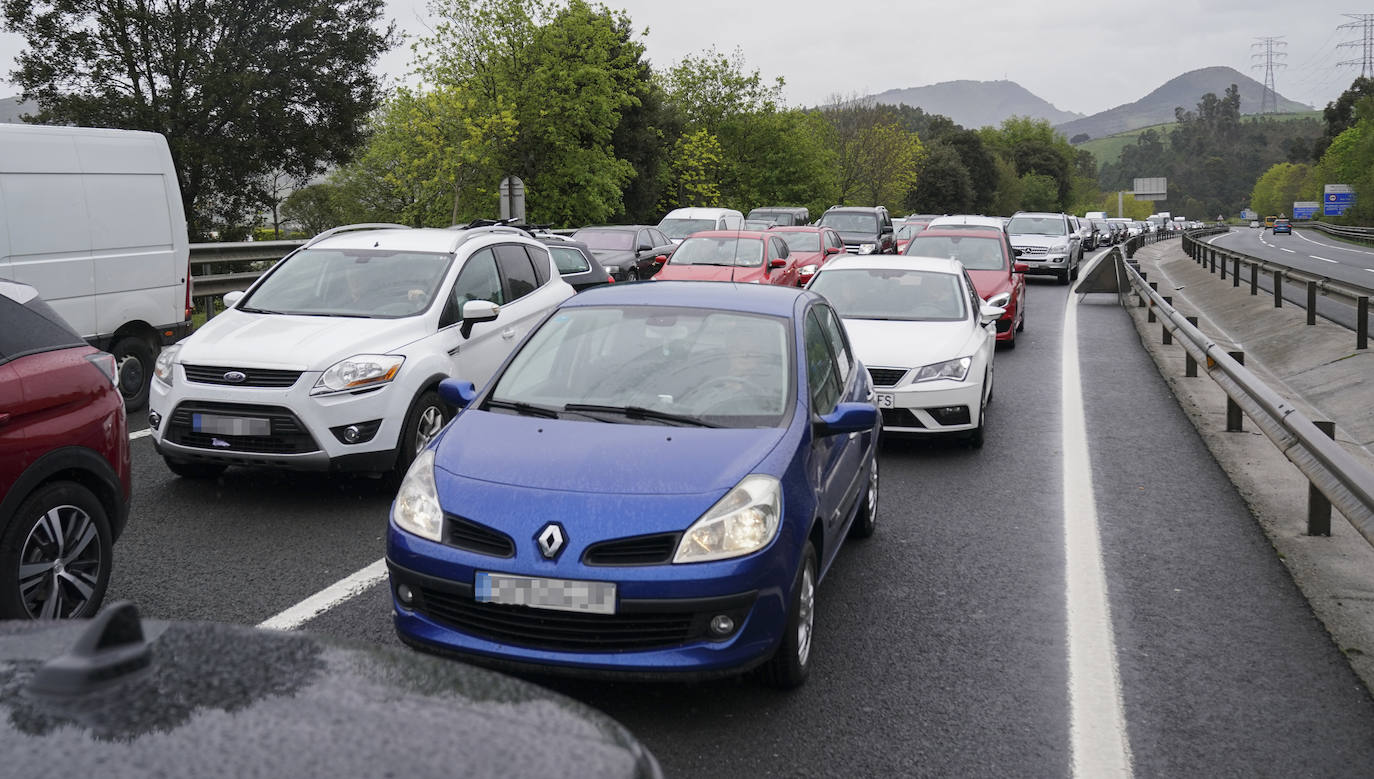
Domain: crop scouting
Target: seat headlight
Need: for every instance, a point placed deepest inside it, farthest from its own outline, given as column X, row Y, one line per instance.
column 1001, row 299
column 744, row 521
column 162, row 369
column 949, row 369
column 358, row 372
column 867, row 248
column 416, row 508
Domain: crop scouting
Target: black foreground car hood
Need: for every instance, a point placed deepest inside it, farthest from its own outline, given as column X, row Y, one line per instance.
column 210, row 699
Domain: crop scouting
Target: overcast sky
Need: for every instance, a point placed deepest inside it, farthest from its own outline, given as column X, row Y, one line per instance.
column 1084, row 57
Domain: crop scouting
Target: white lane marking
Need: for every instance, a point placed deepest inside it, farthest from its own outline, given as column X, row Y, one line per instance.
column 1097, row 720
column 1213, row 238
column 1331, row 245
column 137, row 434
column 345, row 589
column 1290, row 251
column 1323, row 259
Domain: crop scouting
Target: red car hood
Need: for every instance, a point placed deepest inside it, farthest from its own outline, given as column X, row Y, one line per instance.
column 807, row 258
column 990, row 282
column 671, row 272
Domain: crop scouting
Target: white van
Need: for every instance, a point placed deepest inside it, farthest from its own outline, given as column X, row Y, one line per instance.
column 682, row 222
column 92, row 218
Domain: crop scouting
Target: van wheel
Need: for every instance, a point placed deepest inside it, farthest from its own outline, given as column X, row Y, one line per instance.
column 55, row 555
column 134, row 359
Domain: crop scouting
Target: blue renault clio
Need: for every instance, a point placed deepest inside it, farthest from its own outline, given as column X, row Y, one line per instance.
column 519, row 537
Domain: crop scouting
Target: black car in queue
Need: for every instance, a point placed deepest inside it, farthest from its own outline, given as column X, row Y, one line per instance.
column 627, row 252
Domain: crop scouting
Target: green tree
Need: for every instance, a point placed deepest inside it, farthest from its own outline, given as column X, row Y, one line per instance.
column 1035, row 147
column 709, row 88
column 1039, row 193
column 315, row 207
column 1339, row 114
column 1006, row 198
column 1279, row 187
column 695, row 170
column 943, row 184
column 239, row 87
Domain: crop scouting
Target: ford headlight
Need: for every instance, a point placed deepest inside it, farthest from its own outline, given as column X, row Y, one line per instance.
column 742, row 522
column 949, row 369
column 358, row 372
column 1001, row 299
column 416, row 508
column 162, row 369
column 867, row 248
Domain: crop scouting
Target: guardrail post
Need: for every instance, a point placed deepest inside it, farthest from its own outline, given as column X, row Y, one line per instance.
column 1168, row 337
column 1233, row 415
column 1150, row 315
column 1362, row 322
column 1318, row 507
column 1278, row 289
column 1189, row 364
column 1254, row 279
column 1223, row 268
column 1235, row 272
column 1311, row 302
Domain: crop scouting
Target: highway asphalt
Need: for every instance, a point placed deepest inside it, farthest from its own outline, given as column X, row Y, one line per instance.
column 941, row 644
column 1306, row 250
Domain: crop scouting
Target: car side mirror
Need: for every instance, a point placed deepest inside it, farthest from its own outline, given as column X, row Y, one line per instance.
column 660, row 259
column 644, row 247
column 457, row 393
column 990, row 314
column 847, row 418
column 777, row 262
column 832, row 250
column 475, row 311
column 232, row 298
column 1019, row 267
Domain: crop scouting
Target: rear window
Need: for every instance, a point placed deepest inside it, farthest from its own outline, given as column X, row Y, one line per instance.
column 569, row 260
column 30, row 326
column 606, row 240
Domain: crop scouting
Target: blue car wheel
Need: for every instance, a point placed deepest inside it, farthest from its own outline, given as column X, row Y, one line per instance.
column 788, row 667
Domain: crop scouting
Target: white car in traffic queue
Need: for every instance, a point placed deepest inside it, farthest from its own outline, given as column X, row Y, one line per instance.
column 926, row 337
column 332, row 359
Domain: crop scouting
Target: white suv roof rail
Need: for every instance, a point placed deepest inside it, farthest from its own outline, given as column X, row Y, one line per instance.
column 348, row 228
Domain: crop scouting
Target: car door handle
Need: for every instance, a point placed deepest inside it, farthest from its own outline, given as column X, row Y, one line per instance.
column 508, row 333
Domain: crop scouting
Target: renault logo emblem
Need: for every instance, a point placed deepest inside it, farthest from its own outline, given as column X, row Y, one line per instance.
column 551, row 540
column 235, row 377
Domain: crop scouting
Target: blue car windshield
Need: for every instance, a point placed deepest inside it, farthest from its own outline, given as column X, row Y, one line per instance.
column 724, row 368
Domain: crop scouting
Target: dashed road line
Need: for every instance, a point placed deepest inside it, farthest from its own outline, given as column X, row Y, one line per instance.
column 1097, row 721
column 1290, row 251
column 345, row 589
column 1323, row 259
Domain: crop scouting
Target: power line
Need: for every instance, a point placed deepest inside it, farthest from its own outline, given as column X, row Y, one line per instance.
column 1270, row 49
column 1364, row 23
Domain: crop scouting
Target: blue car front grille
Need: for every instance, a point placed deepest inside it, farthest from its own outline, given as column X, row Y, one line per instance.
column 638, row 550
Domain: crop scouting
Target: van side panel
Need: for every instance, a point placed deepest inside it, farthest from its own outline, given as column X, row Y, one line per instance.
column 136, row 277
column 50, row 242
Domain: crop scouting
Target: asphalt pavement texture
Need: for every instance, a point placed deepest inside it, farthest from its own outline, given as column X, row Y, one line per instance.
column 940, row 646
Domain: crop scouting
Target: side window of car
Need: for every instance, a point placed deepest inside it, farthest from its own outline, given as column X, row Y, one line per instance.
column 659, row 238
column 779, row 248
column 478, row 280
column 569, row 259
column 974, row 301
column 540, row 259
column 834, row 239
column 642, row 239
column 517, row 269
column 821, row 372
column 839, row 346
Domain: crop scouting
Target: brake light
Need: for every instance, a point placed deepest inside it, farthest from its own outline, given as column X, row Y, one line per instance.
column 610, row 279
column 107, row 365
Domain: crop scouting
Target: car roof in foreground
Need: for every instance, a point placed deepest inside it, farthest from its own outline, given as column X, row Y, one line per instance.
column 894, row 262
column 767, row 299
column 415, row 239
column 961, row 231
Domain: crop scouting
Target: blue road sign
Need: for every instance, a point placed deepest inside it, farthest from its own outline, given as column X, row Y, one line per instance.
column 1337, row 199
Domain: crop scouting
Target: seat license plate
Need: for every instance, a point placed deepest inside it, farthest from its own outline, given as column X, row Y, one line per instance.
column 885, row 401
column 552, row 594
column 215, row 424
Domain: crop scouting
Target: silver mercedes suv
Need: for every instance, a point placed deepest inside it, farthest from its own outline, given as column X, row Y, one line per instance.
column 1046, row 243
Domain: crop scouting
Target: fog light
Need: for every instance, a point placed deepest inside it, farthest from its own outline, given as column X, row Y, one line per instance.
column 404, row 594
column 722, row 625
column 351, row 434
column 154, row 419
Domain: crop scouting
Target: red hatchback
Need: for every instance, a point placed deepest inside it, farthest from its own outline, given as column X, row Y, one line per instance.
column 810, row 248
column 728, row 255
column 987, row 256
column 64, row 463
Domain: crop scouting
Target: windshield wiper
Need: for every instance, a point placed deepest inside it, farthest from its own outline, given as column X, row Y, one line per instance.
column 248, row 310
column 639, row 412
column 526, row 409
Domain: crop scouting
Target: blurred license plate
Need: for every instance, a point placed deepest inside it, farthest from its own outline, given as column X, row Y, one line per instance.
column 219, row 425
column 884, row 401
column 553, row 594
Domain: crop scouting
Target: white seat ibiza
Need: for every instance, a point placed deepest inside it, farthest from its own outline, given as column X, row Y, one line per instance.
column 331, row 360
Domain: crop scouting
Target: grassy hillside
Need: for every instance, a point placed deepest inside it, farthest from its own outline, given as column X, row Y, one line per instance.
column 1108, row 149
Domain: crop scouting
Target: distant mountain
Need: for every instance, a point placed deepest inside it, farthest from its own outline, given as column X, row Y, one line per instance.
column 976, row 104
column 11, row 108
column 1185, row 90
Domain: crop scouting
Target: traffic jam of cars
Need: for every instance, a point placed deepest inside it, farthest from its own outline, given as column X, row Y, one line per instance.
column 766, row 364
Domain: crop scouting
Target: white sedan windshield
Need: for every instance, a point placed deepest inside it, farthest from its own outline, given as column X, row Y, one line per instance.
column 351, row 282
column 908, row 295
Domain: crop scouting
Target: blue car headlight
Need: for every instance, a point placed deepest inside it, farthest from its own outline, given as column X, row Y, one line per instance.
column 416, row 508
column 742, row 522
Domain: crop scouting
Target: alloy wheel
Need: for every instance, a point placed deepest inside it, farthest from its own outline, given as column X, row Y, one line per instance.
column 430, row 423
column 59, row 564
column 806, row 614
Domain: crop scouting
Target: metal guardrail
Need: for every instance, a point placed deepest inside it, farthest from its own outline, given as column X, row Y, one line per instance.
column 205, row 286
column 1346, row 292
column 1333, row 473
column 1364, row 235
column 1134, row 243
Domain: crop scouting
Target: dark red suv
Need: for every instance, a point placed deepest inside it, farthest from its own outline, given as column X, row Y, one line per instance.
column 64, row 463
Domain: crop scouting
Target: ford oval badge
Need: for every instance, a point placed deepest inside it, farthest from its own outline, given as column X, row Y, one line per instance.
column 236, row 377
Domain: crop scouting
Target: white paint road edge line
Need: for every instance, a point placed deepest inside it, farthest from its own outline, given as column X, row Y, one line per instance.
column 1331, row 245
column 1097, row 720
column 137, row 434
column 345, row 589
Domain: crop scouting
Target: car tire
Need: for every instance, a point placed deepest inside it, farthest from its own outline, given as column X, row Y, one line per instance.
column 134, row 361
column 194, row 470
column 977, row 434
column 1062, row 276
column 79, row 586
column 1021, row 313
column 788, row 667
column 866, row 520
column 426, row 418
column 632, row 274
